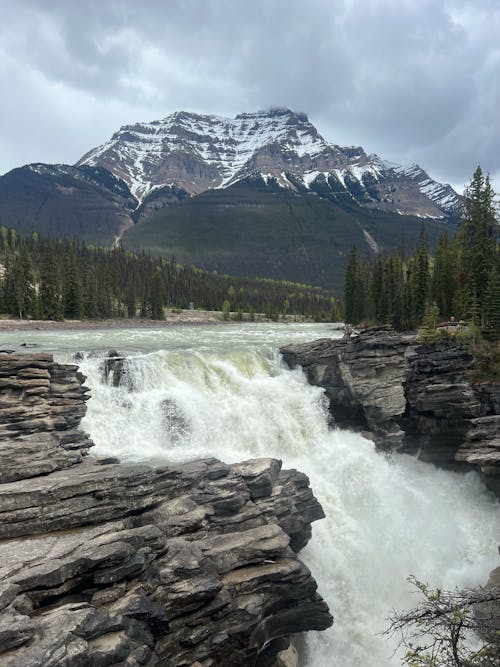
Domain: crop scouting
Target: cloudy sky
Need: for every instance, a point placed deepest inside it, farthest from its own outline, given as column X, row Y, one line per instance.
column 412, row 80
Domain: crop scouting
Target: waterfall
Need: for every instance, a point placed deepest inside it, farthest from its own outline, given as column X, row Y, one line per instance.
column 224, row 392
column 230, row 396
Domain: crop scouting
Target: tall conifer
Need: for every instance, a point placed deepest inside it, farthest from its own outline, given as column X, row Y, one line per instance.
column 50, row 294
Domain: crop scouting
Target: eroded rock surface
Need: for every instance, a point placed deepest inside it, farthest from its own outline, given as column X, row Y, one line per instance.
column 422, row 398
column 41, row 406
column 103, row 563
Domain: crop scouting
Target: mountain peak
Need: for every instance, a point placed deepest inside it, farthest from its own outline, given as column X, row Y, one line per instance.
column 273, row 112
column 196, row 152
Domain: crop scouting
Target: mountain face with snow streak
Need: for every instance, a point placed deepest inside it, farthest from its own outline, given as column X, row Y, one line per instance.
column 186, row 154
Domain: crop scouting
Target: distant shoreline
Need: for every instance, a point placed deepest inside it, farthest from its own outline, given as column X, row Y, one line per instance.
column 184, row 317
column 172, row 319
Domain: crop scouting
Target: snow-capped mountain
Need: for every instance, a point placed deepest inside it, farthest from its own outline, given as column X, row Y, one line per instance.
column 262, row 194
column 190, row 153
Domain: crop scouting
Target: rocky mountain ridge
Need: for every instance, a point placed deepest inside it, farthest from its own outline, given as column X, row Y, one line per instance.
column 59, row 200
column 195, row 153
column 105, row 564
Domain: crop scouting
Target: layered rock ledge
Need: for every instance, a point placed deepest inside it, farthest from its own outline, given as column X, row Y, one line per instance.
column 103, row 563
column 403, row 395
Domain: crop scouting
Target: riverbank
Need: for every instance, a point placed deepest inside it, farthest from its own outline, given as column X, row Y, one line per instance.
column 172, row 318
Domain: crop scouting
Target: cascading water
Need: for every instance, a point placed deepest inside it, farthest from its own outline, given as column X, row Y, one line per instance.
column 224, row 392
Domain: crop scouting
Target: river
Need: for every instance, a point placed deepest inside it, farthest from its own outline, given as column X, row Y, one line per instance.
column 223, row 391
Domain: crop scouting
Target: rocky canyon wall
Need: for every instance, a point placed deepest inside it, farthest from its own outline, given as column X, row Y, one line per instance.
column 418, row 398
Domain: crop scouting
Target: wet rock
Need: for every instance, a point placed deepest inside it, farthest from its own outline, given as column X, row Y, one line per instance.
column 103, row 563
column 422, row 398
column 41, row 403
column 114, row 369
column 487, row 613
column 288, row 658
column 363, row 379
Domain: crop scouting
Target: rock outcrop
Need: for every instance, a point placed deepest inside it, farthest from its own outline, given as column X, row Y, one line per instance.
column 103, row 563
column 41, row 405
column 421, row 398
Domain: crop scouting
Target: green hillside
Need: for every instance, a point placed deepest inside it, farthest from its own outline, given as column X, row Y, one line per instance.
column 250, row 230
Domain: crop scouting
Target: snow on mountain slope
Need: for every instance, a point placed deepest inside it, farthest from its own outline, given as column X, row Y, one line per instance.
column 198, row 152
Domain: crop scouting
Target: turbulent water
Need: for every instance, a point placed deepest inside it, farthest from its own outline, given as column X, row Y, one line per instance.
column 224, row 392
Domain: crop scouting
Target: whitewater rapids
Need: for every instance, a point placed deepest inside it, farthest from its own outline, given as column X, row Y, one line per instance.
column 223, row 391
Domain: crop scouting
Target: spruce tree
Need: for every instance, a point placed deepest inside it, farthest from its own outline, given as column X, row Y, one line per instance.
column 478, row 234
column 357, row 280
column 491, row 311
column 90, row 294
column 20, row 284
column 131, row 300
column 157, row 295
column 444, row 276
column 50, row 294
column 72, row 289
column 421, row 277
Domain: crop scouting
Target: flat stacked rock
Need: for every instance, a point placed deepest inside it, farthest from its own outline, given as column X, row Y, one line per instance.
column 103, row 563
column 41, row 406
column 421, row 398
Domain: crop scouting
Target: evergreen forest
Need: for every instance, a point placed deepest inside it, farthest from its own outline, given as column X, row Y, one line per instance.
column 67, row 279
column 460, row 282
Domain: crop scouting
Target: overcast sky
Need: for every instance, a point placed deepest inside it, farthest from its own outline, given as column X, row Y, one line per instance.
column 411, row 80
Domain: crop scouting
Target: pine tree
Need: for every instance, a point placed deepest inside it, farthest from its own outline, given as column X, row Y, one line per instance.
column 50, row 295
column 377, row 288
column 478, row 238
column 397, row 292
column 429, row 323
column 90, row 294
column 157, row 295
column 226, row 310
column 444, row 276
column 357, row 282
column 421, row 277
column 491, row 309
column 72, row 289
column 131, row 301
column 19, row 284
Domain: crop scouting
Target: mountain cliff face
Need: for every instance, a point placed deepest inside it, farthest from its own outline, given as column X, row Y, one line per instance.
column 194, row 153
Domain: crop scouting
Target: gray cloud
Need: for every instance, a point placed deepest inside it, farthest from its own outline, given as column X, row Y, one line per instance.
column 409, row 80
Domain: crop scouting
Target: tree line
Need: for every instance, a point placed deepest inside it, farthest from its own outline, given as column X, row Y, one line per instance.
column 57, row 279
column 461, row 280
